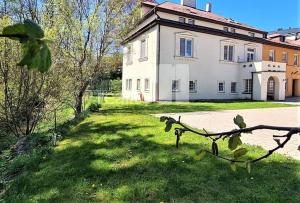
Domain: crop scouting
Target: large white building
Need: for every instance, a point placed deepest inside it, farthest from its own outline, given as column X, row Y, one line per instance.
column 178, row 52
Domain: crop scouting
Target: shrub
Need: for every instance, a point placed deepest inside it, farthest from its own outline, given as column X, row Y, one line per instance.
column 94, row 107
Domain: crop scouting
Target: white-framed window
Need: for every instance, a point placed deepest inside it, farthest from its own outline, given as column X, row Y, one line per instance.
column 147, row 85
column 233, row 30
column 248, row 86
column 129, row 54
column 226, row 29
column 138, row 84
column 193, row 86
column 191, row 21
column 175, row 85
column 144, row 47
column 186, row 47
column 296, row 60
column 250, row 54
column 128, row 84
column 228, row 53
column 251, row 34
column 182, row 19
column 271, row 55
column 284, row 57
column 233, row 87
column 221, row 87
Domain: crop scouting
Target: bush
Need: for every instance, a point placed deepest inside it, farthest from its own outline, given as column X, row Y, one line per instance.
column 94, row 107
column 116, row 86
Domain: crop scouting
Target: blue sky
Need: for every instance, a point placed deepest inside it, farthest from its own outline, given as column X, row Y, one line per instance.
column 267, row 15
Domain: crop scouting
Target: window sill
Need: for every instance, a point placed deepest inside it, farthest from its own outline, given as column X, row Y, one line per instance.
column 247, row 93
column 221, row 92
column 193, row 92
column 228, row 62
column 233, row 93
column 129, row 63
column 175, row 91
column 186, row 58
column 143, row 59
column 147, row 91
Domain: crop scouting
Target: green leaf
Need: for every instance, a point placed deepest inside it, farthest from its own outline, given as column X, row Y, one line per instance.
column 45, row 57
column 163, row 118
column 239, row 121
column 33, row 30
column 16, row 29
column 200, row 155
column 215, row 149
column 240, row 152
column 233, row 166
column 234, row 142
column 248, row 166
column 30, row 49
column 169, row 124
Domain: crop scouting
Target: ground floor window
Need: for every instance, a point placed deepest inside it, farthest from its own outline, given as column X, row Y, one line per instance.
column 138, row 84
column 193, row 86
column 147, row 85
column 248, row 86
column 286, row 84
column 175, row 85
column 233, row 87
column 221, row 87
column 128, row 84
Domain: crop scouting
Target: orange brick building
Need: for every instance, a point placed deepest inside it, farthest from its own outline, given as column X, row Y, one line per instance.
column 287, row 51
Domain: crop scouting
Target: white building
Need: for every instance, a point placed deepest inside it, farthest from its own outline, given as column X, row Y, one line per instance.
column 178, row 52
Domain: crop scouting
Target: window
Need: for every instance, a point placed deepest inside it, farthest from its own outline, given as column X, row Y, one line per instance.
column 221, row 87
column 296, row 60
column 191, row 21
column 147, row 85
column 284, row 57
column 182, row 19
column 248, row 86
column 250, row 54
column 143, row 49
column 128, row 84
column 233, row 87
column 228, row 53
column 226, row 29
column 286, row 84
column 193, row 86
column 271, row 55
column 232, row 30
column 129, row 54
column 251, row 34
column 175, row 85
column 186, row 46
column 138, row 84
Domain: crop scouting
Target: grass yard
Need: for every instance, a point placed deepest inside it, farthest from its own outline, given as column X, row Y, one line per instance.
column 122, row 154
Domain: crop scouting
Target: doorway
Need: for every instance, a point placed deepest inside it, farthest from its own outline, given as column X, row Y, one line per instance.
column 271, row 89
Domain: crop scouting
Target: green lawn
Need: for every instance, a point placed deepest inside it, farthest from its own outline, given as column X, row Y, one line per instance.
column 122, row 154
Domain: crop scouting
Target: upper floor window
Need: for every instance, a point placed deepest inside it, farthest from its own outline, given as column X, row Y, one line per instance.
column 144, row 46
column 250, row 54
column 248, row 86
column 271, row 55
column 147, row 85
column 226, row 29
column 193, row 86
column 296, row 60
column 221, row 87
column 251, row 34
column 186, row 47
column 129, row 54
column 228, row 53
column 191, row 21
column 284, row 57
column 182, row 19
column 232, row 30
column 175, row 85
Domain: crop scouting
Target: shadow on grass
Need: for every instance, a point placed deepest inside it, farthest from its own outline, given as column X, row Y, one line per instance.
column 118, row 165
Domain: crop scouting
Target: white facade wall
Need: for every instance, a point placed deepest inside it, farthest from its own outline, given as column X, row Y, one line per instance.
column 141, row 69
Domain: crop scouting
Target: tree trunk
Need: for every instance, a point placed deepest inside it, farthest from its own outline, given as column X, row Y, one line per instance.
column 79, row 98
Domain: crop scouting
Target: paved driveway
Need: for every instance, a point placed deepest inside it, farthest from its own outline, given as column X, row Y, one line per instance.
column 223, row 121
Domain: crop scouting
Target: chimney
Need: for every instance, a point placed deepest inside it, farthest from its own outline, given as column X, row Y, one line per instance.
column 208, row 7
column 189, row 3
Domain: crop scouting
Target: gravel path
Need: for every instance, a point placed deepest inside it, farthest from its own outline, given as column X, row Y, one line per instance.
column 219, row 121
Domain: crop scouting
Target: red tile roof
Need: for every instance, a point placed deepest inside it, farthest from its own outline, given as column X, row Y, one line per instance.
column 199, row 13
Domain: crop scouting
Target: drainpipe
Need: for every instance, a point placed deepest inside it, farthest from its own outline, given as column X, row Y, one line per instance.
column 252, row 73
column 158, row 55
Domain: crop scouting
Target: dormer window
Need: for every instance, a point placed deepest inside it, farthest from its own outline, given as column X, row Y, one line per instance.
column 182, row 19
column 226, row 29
column 191, row 21
column 232, row 30
column 251, row 34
